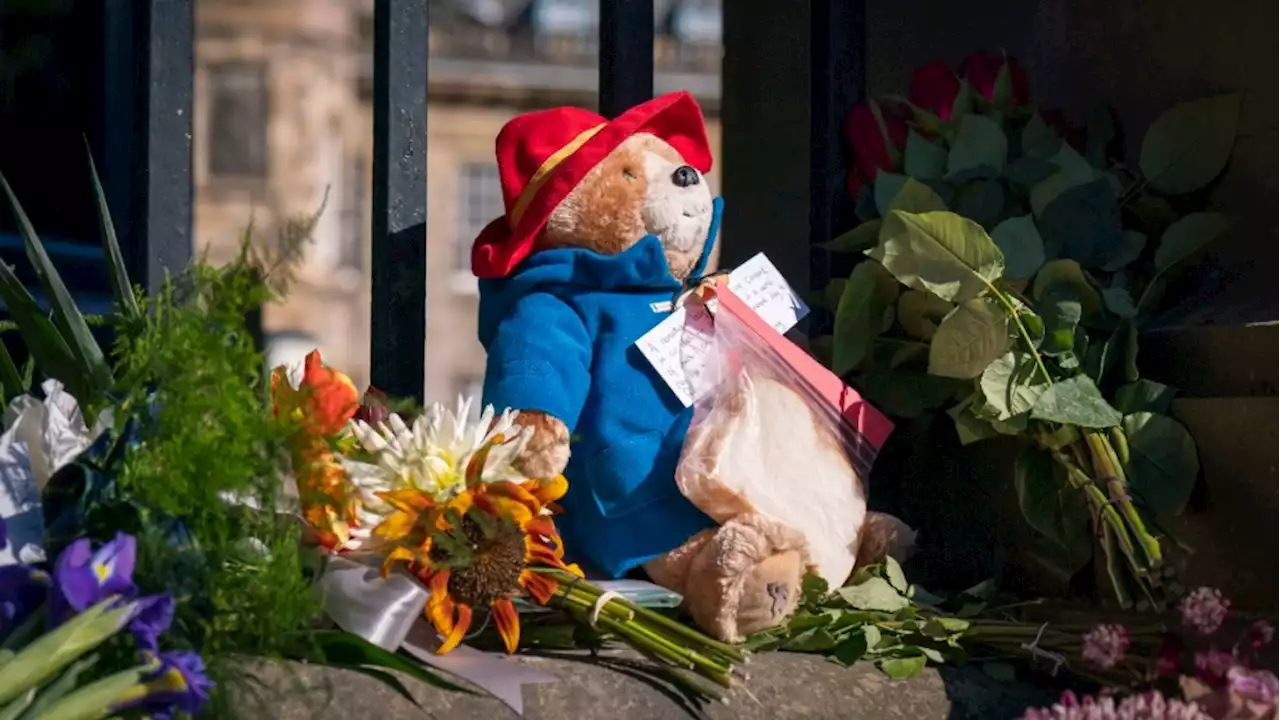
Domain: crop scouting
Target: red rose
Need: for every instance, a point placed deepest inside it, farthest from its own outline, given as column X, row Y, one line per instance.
column 877, row 139
column 1066, row 130
column 982, row 70
column 934, row 88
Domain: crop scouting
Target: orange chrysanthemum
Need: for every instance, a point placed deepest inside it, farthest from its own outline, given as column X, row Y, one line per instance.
column 477, row 551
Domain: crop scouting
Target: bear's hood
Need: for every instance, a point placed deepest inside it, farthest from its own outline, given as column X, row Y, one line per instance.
column 567, row 270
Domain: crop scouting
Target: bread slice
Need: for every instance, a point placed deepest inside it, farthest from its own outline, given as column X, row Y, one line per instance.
column 761, row 448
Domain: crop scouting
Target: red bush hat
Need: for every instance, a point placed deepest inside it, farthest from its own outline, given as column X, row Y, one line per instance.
column 542, row 156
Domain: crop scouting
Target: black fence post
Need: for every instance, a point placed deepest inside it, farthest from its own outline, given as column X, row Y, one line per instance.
column 626, row 54
column 792, row 72
column 399, row 291
column 148, row 66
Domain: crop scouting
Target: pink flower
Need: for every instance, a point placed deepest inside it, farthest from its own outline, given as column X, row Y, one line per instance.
column 1204, row 609
column 982, row 70
column 1169, row 657
column 1212, row 666
column 876, row 146
column 1105, row 645
column 1257, row 686
column 1147, row 706
column 934, row 87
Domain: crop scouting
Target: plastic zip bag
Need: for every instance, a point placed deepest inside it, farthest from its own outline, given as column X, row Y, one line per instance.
column 776, row 433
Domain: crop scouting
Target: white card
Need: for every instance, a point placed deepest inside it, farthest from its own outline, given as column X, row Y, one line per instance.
column 678, row 346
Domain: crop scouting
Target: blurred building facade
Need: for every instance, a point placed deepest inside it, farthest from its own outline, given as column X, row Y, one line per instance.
column 283, row 123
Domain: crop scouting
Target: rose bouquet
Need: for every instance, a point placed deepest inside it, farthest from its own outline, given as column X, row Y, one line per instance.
column 62, row 652
column 1013, row 259
column 440, row 498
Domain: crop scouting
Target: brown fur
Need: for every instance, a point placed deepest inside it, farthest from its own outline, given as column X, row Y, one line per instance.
column 548, row 450
column 603, row 212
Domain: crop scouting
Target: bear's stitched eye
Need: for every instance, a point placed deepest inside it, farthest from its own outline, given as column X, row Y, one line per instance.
column 628, row 173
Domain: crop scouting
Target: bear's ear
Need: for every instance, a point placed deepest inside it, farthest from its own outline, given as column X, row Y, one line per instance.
column 603, row 212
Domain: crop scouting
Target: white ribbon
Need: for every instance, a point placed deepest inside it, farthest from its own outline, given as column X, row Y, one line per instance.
column 388, row 613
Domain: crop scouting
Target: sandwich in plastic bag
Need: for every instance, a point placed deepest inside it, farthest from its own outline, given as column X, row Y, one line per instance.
column 778, row 434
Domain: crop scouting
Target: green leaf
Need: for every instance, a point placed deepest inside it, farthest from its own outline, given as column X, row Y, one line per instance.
column 1038, row 139
column 97, row 699
column 887, row 187
column 67, row 317
column 1190, row 144
column 10, row 378
column 979, row 150
column 1120, row 302
column 1020, row 243
column 1029, row 170
column 812, row 640
column 893, row 573
column 1073, row 170
column 868, row 294
column 1012, row 384
column 1126, row 251
column 39, row 335
column 1187, row 235
column 1144, row 396
column 59, row 688
column 941, row 252
column 851, row 649
column 904, row 667
column 1061, row 319
column 859, row 239
column 874, row 593
column 116, row 273
column 1066, row 276
column 982, row 201
column 898, row 192
column 920, row 312
column 969, row 427
column 1163, row 465
column 832, row 292
column 1075, row 401
column 1082, row 223
column 969, row 339
column 49, row 654
column 1050, row 505
column 923, row 160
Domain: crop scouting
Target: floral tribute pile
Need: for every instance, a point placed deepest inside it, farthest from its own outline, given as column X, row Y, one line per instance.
column 440, row 496
column 1012, row 258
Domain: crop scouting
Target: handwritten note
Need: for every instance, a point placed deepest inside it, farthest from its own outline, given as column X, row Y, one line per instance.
column 679, row 346
column 763, row 288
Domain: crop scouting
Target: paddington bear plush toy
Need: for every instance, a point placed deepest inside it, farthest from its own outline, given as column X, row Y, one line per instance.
column 606, row 222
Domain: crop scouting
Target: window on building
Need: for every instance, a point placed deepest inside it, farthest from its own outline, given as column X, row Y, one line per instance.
column 351, row 254
column 480, row 201
column 238, row 114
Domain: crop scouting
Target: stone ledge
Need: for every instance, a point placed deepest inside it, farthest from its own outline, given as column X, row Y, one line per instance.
column 1213, row 360
column 784, row 686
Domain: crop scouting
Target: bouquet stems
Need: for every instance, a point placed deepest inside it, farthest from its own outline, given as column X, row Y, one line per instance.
column 1131, row 555
column 1060, row 646
column 649, row 632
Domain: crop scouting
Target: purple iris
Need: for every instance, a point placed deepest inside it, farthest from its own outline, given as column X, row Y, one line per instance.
column 22, row 590
column 154, row 615
column 84, row 577
column 179, row 683
column 4, row 534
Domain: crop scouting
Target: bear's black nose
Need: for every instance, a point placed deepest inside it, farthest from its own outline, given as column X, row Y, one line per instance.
column 684, row 176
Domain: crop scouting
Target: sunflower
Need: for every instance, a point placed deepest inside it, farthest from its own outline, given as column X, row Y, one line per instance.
column 477, row 550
